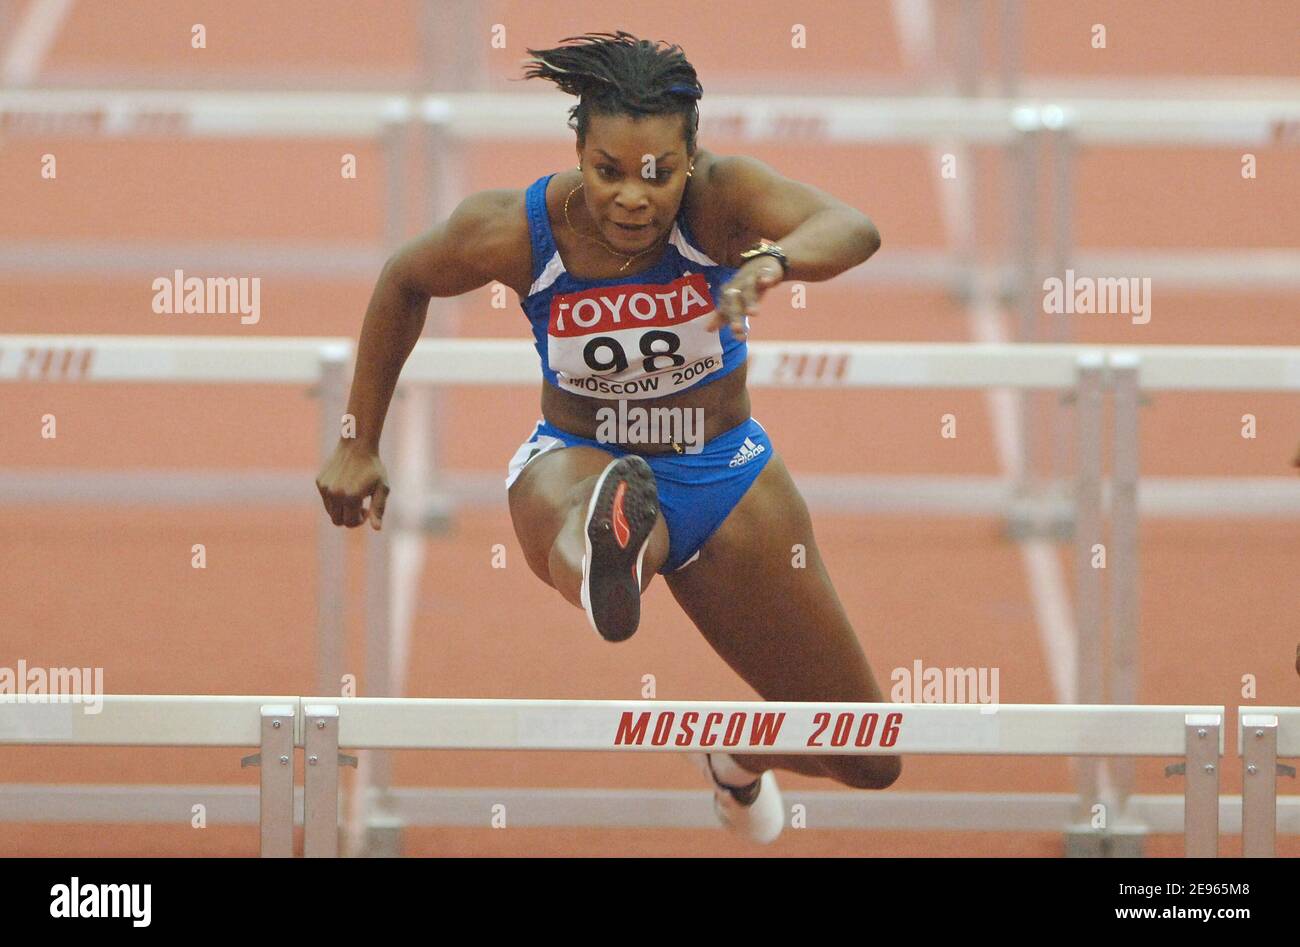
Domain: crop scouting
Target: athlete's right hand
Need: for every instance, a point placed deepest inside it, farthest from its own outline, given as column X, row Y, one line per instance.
column 352, row 474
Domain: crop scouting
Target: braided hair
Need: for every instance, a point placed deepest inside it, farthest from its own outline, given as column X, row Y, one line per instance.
column 618, row 74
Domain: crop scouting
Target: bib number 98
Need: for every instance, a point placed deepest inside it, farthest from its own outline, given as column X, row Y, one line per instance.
column 604, row 354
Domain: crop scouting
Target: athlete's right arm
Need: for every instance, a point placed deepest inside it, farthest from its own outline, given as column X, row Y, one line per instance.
column 478, row 243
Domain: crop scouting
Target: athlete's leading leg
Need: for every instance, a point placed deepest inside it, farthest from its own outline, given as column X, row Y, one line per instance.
column 778, row 622
column 548, row 504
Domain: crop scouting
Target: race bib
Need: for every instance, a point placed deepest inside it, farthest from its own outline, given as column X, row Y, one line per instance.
column 634, row 340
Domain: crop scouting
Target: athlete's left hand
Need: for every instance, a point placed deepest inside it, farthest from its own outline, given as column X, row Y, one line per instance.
column 741, row 295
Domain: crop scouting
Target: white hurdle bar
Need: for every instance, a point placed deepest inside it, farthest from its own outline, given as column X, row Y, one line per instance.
column 322, row 725
column 776, row 364
column 542, row 115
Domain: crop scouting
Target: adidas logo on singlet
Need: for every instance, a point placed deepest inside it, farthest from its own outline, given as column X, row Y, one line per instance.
column 748, row 451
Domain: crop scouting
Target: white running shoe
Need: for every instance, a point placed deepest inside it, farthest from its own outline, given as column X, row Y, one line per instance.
column 755, row 812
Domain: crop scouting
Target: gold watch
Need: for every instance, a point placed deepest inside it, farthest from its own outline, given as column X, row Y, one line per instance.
column 768, row 248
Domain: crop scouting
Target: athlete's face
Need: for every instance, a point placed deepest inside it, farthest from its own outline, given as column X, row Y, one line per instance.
column 633, row 173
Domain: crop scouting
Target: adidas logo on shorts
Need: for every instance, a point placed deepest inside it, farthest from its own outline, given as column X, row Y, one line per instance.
column 748, row 451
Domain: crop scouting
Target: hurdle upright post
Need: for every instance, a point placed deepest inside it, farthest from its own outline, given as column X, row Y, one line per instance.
column 1060, row 326
column 1257, row 735
column 1025, row 152
column 374, row 775
column 1088, row 586
column 276, row 797
column 331, row 542
column 1122, row 552
column 320, row 816
column 1201, row 786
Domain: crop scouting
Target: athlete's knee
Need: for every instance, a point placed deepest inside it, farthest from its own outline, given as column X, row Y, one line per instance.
column 865, row 772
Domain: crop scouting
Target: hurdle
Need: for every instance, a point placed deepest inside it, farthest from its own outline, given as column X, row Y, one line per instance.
column 318, row 366
column 270, row 723
column 275, row 725
column 322, row 365
column 1084, row 374
column 456, row 117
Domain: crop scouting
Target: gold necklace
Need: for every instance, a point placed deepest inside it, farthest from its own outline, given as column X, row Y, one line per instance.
column 597, row 239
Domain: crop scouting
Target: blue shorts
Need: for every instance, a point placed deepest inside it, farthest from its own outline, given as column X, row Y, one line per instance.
column 696, row 491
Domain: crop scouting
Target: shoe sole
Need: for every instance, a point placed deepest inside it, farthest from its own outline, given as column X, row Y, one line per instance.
column 620, row 516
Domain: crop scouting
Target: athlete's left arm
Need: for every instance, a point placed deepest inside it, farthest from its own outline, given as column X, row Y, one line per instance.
column 820, row 234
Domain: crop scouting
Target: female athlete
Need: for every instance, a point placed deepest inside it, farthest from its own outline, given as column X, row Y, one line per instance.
column 637, row 272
